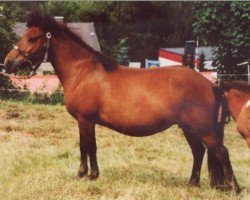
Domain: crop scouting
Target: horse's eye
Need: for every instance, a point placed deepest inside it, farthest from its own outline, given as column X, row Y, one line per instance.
column 32, row 39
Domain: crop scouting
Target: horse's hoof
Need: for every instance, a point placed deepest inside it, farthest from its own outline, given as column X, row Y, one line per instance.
column 194, row 183
column 191, row 184
column 222, row 187
column 93, row 176
column 82, row 174
column 235, row 189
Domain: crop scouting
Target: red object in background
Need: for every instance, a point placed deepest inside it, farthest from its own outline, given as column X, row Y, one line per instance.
column 39, row 83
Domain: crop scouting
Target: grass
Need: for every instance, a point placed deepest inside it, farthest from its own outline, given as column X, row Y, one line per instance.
column 40, row 157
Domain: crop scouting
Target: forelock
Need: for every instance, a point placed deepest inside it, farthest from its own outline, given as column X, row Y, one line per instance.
column 45, row 22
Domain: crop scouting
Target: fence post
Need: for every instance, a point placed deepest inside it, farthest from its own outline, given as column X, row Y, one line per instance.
column 248, row 73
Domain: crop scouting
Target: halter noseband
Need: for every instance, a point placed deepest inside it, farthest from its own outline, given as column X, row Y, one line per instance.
column 35, row 66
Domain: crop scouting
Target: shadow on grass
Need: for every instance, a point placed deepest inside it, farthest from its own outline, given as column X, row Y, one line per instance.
column 145, row 175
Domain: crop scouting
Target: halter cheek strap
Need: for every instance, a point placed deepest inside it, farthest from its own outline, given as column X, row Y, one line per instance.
column 48, row 36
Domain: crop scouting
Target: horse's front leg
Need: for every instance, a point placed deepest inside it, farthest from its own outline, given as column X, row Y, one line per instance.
column 87, row 149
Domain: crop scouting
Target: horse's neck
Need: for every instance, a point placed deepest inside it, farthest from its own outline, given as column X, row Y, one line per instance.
column 69, row 60
column 236, row 100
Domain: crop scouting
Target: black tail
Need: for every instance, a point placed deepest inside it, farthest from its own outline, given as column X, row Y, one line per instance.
column 216, row 173
column 220, row 113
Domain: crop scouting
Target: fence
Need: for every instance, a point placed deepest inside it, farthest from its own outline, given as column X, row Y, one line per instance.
column 242, row 67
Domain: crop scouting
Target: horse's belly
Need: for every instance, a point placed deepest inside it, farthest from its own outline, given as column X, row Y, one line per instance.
column 137, row 124
column 138, row 130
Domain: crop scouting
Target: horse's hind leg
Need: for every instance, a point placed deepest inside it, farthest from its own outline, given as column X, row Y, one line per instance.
column 198, row 151
column 220, row 152
column 215, row 170
column 87, row 148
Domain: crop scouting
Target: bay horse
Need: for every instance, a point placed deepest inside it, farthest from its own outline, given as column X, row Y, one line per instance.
column 135, row 102
column 237, row 96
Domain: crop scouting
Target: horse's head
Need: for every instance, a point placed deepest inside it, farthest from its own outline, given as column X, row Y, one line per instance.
column 237, row 96
column 32, row 49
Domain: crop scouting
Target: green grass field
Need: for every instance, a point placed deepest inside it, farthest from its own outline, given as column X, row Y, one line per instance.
column 39, row 159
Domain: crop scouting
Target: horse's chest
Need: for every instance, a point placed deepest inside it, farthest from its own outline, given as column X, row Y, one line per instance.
column 83, row 105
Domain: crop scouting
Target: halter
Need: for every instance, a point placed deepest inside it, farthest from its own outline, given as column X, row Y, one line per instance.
column 35, row 66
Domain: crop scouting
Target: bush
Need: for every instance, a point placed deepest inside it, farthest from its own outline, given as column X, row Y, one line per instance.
column 56, row 97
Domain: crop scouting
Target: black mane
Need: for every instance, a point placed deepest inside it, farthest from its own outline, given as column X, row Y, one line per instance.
column 49, row 24
column 238, row 85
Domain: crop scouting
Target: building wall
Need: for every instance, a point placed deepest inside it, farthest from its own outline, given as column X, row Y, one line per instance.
column 167, row 62
column 168, row 58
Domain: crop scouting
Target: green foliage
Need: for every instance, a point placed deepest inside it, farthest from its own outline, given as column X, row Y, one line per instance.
column 191, row 62
column 5, row 83
column 226, row 26
column 120, row 52
column 18, row 10
column 57, row 97
column 188, row 61
column 7, row 37
column 148, row 25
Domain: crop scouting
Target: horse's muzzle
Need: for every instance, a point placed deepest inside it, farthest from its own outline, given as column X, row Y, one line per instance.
column 11, row 65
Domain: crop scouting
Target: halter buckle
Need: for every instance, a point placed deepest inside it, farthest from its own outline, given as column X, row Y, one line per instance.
column 48, row 35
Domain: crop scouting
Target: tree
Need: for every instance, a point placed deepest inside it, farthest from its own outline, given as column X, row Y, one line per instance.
column 7, row 37
column 226, row 26
column 191, row 62
column 185, row 59
column 147, row 26
column 121, row 52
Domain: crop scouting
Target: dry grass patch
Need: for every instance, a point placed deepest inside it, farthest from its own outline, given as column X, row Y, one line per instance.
column 40, row 157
